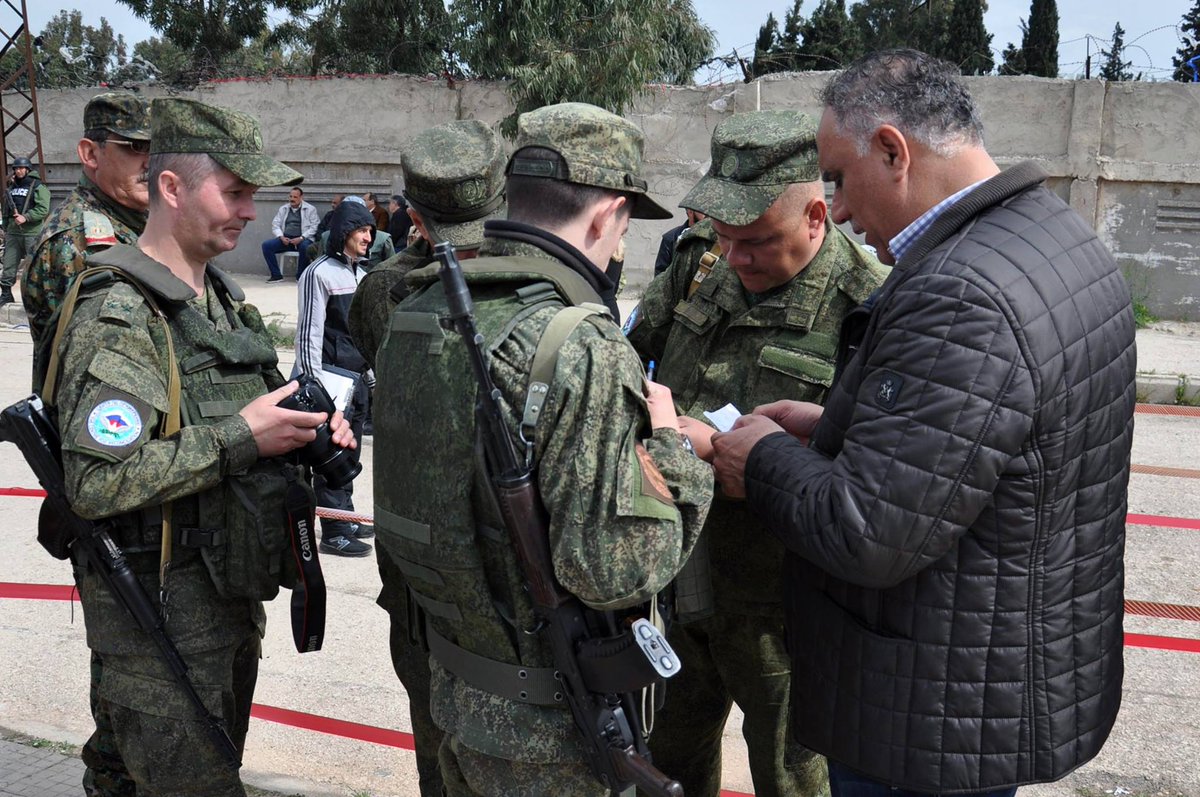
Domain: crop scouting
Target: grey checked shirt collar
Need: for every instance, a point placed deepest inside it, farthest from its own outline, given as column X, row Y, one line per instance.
column 906, row 237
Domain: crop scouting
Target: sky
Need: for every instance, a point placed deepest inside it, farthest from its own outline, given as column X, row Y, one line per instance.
column 1150, row 27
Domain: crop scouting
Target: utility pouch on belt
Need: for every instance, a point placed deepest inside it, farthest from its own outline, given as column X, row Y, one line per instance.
column 252, row 557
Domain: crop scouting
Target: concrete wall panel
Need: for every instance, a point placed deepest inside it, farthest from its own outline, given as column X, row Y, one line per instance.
column 1126, row 156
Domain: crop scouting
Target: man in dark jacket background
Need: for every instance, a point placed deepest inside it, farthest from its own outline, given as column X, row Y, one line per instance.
column 956, row 526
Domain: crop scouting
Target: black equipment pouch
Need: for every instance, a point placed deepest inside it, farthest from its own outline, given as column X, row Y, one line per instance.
column 250, row 555
column 54, row 533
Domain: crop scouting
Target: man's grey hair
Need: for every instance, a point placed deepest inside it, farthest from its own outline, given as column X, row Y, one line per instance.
column 916, row 93
column 192, row 168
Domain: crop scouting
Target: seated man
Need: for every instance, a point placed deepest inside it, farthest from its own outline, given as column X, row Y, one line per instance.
column 294, row 228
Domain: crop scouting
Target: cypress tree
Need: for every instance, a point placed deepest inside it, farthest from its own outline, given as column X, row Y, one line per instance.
column 831, row 39
column 1040, row 44
column 764, row 48
column 1189, row 44
column 1114, row 69
column 969, row 44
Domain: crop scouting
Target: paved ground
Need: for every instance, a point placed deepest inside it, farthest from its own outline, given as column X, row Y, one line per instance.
column 43, row 659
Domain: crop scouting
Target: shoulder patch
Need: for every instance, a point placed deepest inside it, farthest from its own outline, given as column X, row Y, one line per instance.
column 115, row 424
column 654, row 484
column 98, row 229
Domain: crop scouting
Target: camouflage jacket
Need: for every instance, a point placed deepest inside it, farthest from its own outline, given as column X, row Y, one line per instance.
column 718, row 347
column 112, row 397
column 87, row 222
column 625, row 503
column 373, row 304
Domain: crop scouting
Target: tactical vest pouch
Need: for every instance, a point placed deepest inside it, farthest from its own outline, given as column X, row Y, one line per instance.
column 253, row 558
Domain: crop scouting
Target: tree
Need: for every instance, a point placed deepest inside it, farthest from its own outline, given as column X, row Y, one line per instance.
column 887, row 24
column 1012, row 59
column 830, row 39
column 68, row 53
column 1040, row 44
column 1189, row 44
column 373, row 36
column 209, row 31
column 968, row 43
column 1114, row 69
column 764, row 47
column 600, row 51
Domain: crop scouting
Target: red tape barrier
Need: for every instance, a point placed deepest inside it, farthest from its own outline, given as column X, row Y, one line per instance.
column 1167, row 409
column 1164, row 521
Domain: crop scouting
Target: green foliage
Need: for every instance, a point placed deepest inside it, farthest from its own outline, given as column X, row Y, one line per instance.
column 826, row 40
column 1115, row 69
column 1142, row 317
column 368, row 36
column 598, row 51
column 830, row 39
column 920, row 24
column 968, row 43
column 1012, row 60
column 1189, row 44
column 1040, row 44
column 764, row 45
column 72, row 54
column 210, row 31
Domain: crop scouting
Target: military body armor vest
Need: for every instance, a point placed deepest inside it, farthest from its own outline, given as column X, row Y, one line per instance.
column 435, row 513
column 239, row 527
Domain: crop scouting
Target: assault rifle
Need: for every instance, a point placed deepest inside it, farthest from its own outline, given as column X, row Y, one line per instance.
column 608, row 721
column 25, row 424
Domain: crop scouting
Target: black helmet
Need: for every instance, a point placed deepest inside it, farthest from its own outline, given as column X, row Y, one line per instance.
column 22, row 163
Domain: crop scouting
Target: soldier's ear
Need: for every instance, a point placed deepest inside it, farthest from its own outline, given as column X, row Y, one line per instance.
column 88, row 151
column 814, row 216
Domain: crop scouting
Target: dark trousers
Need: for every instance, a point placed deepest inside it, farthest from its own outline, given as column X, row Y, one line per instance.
column 273, row 246
column 844, row 782
column 343, row 497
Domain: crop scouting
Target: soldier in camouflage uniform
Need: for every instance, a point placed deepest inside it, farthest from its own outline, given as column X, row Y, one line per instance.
column 454, row 182
column 107, row 207
column 758, row 324
column 206, row 500
column 624, row 498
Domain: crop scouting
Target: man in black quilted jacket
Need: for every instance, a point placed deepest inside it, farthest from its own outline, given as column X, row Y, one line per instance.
column 955, row 526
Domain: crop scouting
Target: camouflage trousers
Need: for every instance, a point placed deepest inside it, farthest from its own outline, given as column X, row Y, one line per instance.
column 410, row 660
column 469, row 773
column 148, row 734
column 730, row 658
column 16, row 248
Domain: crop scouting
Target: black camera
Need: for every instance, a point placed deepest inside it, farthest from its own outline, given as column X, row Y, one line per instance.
column 323, row 455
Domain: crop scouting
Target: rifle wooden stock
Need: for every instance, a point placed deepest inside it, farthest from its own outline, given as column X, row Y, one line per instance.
column 607, row 723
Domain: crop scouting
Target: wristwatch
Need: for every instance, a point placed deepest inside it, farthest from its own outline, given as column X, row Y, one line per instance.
column 687, row 444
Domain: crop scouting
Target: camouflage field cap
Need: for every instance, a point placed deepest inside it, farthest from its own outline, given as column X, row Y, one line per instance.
column 596, row 147
column 231, row 138
column 120, row 112
column 454, row 177
column 755, row 157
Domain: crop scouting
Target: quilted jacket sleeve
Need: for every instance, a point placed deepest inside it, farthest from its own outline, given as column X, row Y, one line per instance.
column 941, row 408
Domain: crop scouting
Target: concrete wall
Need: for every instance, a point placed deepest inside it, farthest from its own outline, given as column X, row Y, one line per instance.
column 1126, row 155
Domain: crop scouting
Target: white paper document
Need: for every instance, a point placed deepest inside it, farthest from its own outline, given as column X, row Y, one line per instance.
column 724, row 418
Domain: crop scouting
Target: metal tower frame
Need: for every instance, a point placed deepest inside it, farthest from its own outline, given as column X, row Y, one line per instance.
column 18, row 103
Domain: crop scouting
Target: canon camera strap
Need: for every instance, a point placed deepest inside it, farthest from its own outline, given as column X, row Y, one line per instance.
column 308, row 593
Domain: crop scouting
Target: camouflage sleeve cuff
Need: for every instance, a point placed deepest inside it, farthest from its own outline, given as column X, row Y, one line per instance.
column 238, row 449
column 690, row 478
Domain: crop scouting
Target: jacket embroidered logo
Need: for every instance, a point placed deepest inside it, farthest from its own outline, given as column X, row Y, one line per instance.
column 889, row 390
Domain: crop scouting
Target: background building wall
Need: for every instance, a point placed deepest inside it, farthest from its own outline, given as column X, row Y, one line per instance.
column 1125, row 155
